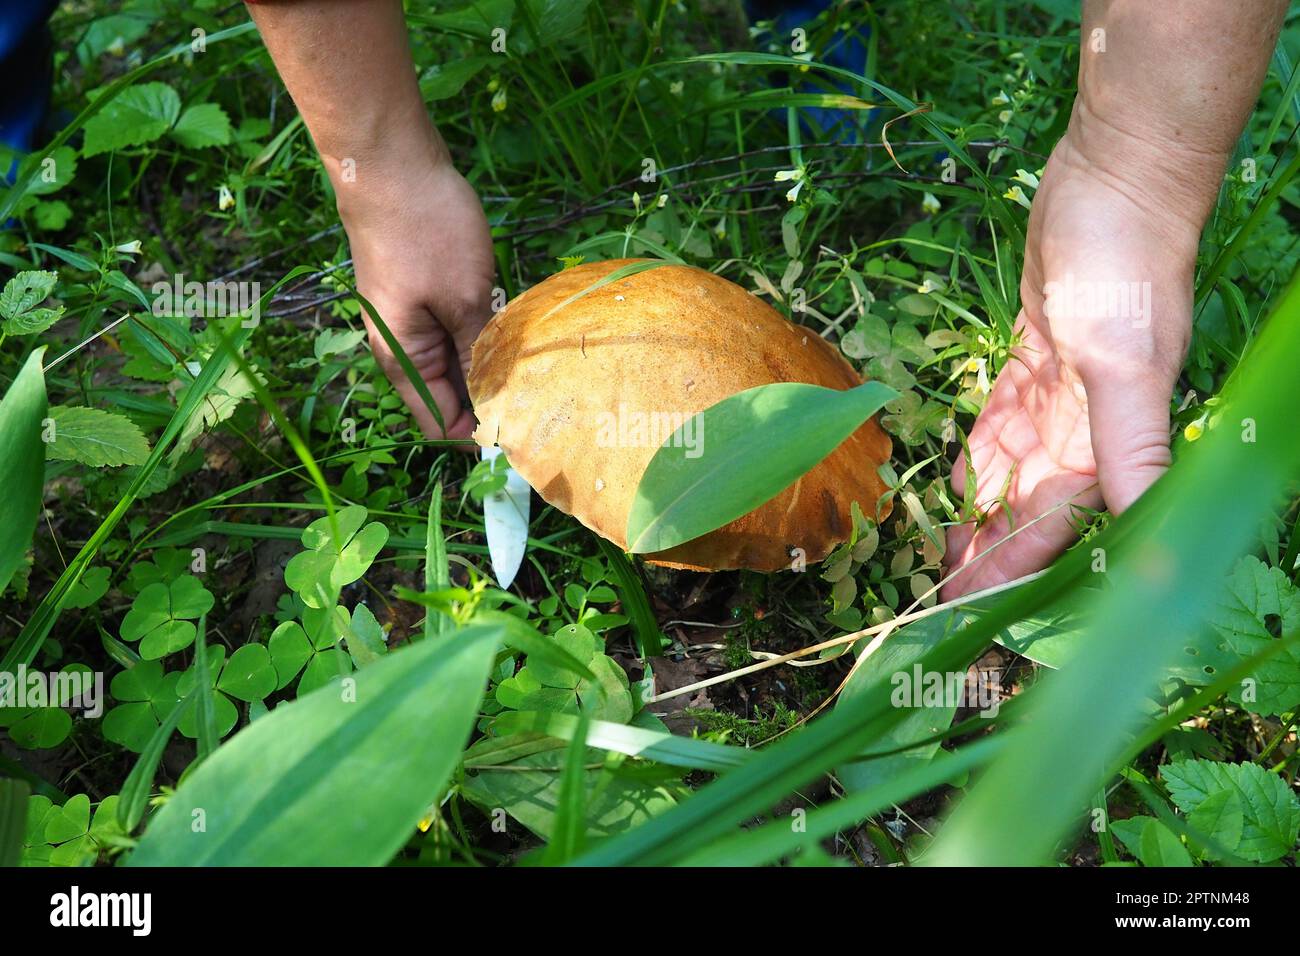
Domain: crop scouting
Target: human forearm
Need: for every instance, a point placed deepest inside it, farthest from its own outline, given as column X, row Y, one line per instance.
column 347, row 65
column 1164, row 90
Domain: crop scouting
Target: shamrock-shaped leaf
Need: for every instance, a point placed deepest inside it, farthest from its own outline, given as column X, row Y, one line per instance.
column 162, row 616
column 75, row 839
column 226, row 716
column 249, row 675
column 319, row 573
column 90, row 587
column 147, row 695
column 540, row 685
column 42, row 723
column 167, row 565
column 310, row 647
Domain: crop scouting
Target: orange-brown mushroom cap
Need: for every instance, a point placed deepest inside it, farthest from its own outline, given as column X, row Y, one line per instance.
column 580, row 394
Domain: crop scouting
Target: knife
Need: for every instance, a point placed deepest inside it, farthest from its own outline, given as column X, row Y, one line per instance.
column 505, row 518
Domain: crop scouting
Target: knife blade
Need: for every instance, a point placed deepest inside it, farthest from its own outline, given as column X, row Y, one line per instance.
column 505, row 519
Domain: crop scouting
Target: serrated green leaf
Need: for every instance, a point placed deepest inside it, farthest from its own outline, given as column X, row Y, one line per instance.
column 202, row 125
column 138, row 115
column 25, row 291
column 95, row 437
column 1270, row 811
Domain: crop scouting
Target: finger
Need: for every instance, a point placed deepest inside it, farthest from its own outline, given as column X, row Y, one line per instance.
column 1130, row 435
column 430, row 364
column 1038, row 529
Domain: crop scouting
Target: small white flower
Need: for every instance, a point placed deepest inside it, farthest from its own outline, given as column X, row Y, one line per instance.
column 1001, row 99
column 926, row 287
column 930, row 204
column 662, row 200
column 1005, row 117
column 791, row 175
column 636, row 201
column 225, row 199
column 499, row 101
column 129, row 248
column 1016, row 194
column 720, row 230
column 676, row 88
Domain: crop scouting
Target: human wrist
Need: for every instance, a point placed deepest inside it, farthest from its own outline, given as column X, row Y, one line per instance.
column 1173, row 182
column 381, row 163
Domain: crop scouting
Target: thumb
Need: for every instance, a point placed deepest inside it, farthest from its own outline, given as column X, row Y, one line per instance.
column 1129, row 421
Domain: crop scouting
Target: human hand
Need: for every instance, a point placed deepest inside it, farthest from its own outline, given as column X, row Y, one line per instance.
column 423, row 258
column 1080, row 415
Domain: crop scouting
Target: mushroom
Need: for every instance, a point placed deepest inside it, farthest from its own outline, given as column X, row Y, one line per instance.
column 579, row 386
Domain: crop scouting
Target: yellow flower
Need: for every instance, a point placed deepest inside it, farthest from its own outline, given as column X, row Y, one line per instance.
column 1016, row 194
column 225, row 200
column 1195, row 430
column 499, row 101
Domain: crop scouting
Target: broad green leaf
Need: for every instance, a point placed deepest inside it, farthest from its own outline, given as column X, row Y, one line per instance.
column 204, row 124
column 1261, row 600
column 20, row 298
column 1270, row 810
column 1153, row 843
column 894, row 662
column 1221, row 818
column 337, row 778
column 22, row 464
column 445, row 80
column 26, row 291
column 14, row 799
column 750, row 447
column 140, row 114
column 91, row 436
column 1160, row 846
column 617, row 798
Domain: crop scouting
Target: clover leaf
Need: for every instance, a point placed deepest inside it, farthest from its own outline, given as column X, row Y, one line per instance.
column 318, row 574
column 148, row 696
column 542, row 686
column 74, row 838
column 40, row 726
column 310, row 648
column 225, row 714
column 162, row 616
